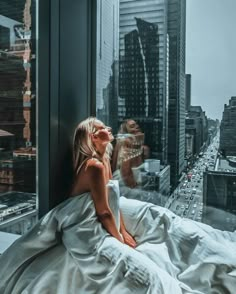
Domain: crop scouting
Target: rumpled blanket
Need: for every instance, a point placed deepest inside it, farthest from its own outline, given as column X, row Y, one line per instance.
column 68, row 252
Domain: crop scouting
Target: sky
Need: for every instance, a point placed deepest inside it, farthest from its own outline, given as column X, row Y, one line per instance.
column 211, row 53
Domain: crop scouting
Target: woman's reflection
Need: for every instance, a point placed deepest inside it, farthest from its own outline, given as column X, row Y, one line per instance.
column 129, row 152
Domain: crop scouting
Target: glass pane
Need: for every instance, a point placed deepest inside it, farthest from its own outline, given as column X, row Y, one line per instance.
column 175, row 131
column 17, row 116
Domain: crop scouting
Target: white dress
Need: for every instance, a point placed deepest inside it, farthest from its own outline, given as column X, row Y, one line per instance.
column 69, row 252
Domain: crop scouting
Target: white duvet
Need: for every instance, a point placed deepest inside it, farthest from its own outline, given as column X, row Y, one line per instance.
column 68, row 251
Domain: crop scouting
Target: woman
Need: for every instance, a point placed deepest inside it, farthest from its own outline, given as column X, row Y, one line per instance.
column 85, row 245
column 93, row 172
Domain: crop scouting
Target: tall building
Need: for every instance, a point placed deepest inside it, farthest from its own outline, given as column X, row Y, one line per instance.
column 143, row 73
column 17, row 91
column 213, row 126
column 227, row 128
column 15, row 73
column 176, row 122
column 106, row 64
column 197, row 125
column 188, row 80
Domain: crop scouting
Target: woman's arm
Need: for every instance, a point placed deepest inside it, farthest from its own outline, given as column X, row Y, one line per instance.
column 128, row 239
column 127, row 174
column 97, row 183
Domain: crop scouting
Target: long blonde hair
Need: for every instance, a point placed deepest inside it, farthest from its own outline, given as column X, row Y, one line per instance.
column 83, row 147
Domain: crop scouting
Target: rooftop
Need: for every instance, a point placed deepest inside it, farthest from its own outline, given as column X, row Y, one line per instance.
column 225, row 165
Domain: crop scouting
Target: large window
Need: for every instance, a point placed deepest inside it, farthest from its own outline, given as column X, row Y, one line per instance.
column 164, row 84
column 17, row 115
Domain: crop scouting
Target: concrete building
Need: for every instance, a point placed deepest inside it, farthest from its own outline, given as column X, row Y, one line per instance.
column 219, row 185
column 176, row 119
column 189, row 143
column 197, row 125
column 213, row 126
column 227, row 128
column 144, row 69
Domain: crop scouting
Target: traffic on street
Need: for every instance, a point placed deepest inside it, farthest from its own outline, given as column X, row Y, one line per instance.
column 187, row 199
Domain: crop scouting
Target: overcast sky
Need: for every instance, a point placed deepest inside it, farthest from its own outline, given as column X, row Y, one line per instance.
column 211, row 53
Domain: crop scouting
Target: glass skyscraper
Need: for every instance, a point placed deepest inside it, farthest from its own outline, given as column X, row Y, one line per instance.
column 143, row 73
column 176, row 122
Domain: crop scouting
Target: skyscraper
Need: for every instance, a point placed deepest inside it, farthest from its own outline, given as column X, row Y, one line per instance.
column 107, row 58
column 227, row 128
column 143, row 73
column 176, row 122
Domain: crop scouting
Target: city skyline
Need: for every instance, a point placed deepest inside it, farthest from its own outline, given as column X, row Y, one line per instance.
column 210, row 53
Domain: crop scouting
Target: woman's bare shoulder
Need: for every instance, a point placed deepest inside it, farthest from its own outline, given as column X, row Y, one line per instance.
column 94, row 165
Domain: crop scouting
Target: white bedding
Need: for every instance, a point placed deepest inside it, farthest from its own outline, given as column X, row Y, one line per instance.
column 68, row 251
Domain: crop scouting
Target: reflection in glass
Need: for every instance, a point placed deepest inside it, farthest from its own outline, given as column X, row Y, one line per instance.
column 17, row 116
column 190, row 163
column 140, row 176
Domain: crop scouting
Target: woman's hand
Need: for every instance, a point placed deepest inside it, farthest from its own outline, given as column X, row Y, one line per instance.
column 128, row 239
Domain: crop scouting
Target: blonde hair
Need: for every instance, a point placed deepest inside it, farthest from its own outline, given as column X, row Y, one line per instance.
column 123, row 127
column 83, row 147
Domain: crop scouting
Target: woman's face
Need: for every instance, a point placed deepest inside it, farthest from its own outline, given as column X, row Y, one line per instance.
column 132, row 127
column 102, row 132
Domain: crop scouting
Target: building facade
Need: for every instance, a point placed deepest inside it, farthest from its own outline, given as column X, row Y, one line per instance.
column 219, row 185
column 107, row 55
column 197, row 126
column 143, row 74
column 176, row 114
column 227, row 128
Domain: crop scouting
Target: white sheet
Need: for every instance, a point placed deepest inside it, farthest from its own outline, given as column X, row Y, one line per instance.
column 68, row 251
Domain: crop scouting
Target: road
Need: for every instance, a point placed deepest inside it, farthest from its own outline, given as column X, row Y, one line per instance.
column 187, row 199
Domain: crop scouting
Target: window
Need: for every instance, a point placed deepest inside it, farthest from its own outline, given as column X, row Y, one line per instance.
column 152, row 69
column 17, row 116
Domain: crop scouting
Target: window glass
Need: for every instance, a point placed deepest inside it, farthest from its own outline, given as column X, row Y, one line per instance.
column 164, row 85
column 17, row 116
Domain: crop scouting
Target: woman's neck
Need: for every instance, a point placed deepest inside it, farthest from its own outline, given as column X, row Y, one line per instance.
column 101, row 151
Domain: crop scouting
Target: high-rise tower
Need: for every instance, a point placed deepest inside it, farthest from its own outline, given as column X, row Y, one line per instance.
column 107, row 61
column 143, row 73
column 176, row 122
column 227, row 129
